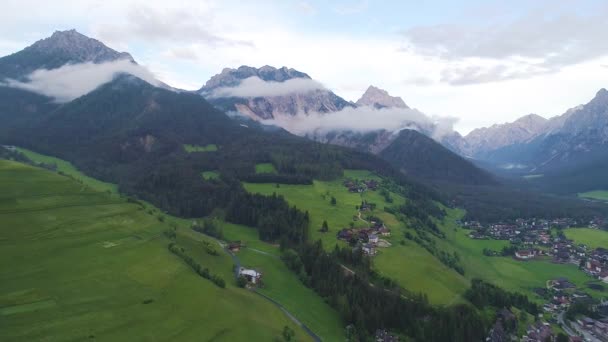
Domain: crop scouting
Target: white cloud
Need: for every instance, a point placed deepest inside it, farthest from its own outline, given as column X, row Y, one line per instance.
column 254, row 87
column 192, row 24
column 540, row 42
column 74, row 80
column 365, row 119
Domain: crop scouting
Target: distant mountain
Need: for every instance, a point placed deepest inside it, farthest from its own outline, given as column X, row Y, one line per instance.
column 61, row 48
column 379, row 98
column 524, row 129
column 269, row 106
column 571, row 151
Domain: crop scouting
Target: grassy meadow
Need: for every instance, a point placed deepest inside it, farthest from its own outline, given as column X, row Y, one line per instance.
column 79, row 264
column 411, row 265
column 210, row 175
column 408, row 263
column 265, row 168
column 511, row 274
column 593, row 238
column 67, row 168
column 197, row 148
column 283, row 286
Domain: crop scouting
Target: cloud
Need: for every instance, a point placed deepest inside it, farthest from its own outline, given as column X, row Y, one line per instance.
column 540, row 42
column 256, row 87
column 365, row 119
column 306, row 7
column 186, row 24
column 74, row 80
column 352, row 8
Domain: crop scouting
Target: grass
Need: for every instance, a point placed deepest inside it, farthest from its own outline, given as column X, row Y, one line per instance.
column 283, row 286
column 601, row 195
column 77, row 264
column 67, row 168
column 197, row 148
column 265, row 168
column 505, row 271
column 411, row 265
column 593, row 238
column 210, row 175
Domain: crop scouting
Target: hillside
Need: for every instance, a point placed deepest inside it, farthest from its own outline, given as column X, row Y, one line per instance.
column 421, row 157
column 100, row 269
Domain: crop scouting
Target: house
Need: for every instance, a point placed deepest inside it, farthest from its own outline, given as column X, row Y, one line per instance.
column 603, row 276
column 384, row 336
column 345, row 234
column 234, row 246
column 368, row 249
column 372, row 238
column 524, row 254
column 384, row 231
column 252, row 276
column 593, row 266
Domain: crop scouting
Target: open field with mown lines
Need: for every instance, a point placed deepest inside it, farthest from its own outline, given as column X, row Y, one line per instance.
column 79, row 264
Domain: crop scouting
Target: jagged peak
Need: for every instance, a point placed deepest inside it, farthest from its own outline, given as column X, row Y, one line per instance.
column 380, row 98
column 79, row 46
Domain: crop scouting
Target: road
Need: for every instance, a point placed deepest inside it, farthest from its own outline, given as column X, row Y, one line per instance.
column 237, row 264
column 562, row 323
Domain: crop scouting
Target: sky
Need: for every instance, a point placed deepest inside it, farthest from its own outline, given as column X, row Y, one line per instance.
column 479, row 62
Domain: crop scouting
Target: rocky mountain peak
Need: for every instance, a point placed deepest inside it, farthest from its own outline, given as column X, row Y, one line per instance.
column 380, row 98
column 77, row 48
column 230, row 77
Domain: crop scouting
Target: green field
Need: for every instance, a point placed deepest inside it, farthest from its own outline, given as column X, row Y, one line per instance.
column 283, row 286
column 210, row 175
column 601, row 195
column 506, row 272
column 197, row 148
column 593, row 238
column 69, row 169
column 78, row 264
column 265, row 168
column 411, row 265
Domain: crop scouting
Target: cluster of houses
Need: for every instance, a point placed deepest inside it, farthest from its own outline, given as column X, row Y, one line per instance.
column 534, row 236
column 355, row 185
column 526, row 231
column 538, row 332
column 367, row 238
column 593, row 327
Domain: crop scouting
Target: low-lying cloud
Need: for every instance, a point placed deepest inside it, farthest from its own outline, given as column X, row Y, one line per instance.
column 74, row 80
column 364, row 120
column 256, row 87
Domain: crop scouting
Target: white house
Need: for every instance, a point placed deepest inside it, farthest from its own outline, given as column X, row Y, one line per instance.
column 373, row 238
column 252, row 276
column 525, row 254
column 369, row 249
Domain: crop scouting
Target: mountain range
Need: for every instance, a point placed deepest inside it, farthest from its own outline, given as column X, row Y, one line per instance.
column 553, row 147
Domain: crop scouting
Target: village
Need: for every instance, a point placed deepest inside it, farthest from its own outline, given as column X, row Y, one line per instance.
column 532, row 239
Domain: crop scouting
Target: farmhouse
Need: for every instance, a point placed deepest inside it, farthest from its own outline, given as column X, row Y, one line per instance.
column 525, row 254
column 234, row 246
column 252, row 276
column 369, row 249
column 372, row 238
